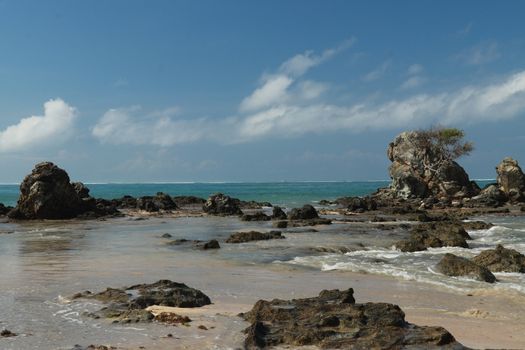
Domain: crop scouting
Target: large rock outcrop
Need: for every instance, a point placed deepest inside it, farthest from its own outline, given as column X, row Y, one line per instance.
column 47, row 193
column 334, row 321
column 501, row 260
column 452, row 265
column 221, row 204
column 511, row 180
column 418, row 173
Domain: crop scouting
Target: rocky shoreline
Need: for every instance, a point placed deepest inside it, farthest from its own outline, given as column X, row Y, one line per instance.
column 429, row 202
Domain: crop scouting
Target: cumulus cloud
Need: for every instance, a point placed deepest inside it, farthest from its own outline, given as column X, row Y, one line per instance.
column 40, row 131
column 287, row 105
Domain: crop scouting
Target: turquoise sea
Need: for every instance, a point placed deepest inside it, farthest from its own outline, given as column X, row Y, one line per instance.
column 286, row 194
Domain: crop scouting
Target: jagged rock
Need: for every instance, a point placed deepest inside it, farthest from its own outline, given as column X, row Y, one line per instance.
column 172, row 318
column 182, row 201
column 452, row 265
column 7, row 334
column 511, row 179
column 307, row 212
column 47, row 193
column 4, row 209
column 241, row 237
column 278, row 213
column 434, row 235
column 126, row 202
column 160, row 201
column 334, row 321
column 476, row 225
column 258, row 216
column 490, row 196
column 416, row 173
column 357, row 204
column 501, row 260
column 128, row 304
column 220, row 204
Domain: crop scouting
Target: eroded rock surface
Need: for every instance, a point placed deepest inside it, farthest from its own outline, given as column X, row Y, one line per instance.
column 334, row 321
column 241, row 237
column 434, row 235
column 160, row 201
column 511, row 179
column 452, row 265
column 501, row 260
column 307, row 212
column 221, row 204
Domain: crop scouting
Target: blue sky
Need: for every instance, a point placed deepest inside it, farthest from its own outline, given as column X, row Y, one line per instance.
column 251, row 90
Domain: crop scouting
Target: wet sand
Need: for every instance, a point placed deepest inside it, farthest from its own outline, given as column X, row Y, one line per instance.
column 46, row 262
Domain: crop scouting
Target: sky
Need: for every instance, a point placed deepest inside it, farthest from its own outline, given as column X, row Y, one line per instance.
column 296, row 90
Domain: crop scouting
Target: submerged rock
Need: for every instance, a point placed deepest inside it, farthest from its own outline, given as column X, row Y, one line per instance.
column 241, row 237
column 334, row 321
column 258, row 216
column 220, row 204
column 212, row 244
column 128, row 304
column 452, row 265
column 7, row 334
column 434, row 235
column 307, row 212
column 172, row 318
column 501, row 260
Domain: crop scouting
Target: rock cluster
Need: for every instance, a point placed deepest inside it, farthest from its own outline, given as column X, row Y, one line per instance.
column 160, row 201
column 129, row 304
column 220, row 204
column 334, row 321
column 241, row 237
column 434, row 235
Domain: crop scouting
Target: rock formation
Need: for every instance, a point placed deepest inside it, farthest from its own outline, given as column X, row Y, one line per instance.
column 434, row 235
column 307, row 212
column 220, row 204
column 452, row 265
column 417, row 173
column 160, row 201
column 501, row 260
column 334, row 321
column 241, row 237
column 511, row 180
column 47, row 193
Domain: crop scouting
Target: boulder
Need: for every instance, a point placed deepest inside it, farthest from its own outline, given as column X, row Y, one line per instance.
column 511, row 179
column 47, row 193
column 417, row 173
column 357, row 204
column 501, row 260
column 307, row 212
column 278, row 213
column 160, row 201
column 241, row 237
column 220, row 204
column 254, row 204
column 452, row 265
column 334, row 321
column 490, row 196
column 212, row 244
column 434, row 235
column 182, row 201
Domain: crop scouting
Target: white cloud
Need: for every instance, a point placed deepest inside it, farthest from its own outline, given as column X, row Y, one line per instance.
column 412, row 82
column 480, row 54
column 40, row 131
column 415, row 69
column 377, row 73
column 274, row 90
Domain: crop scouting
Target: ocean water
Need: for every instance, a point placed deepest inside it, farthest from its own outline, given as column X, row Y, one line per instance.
column 287, row 194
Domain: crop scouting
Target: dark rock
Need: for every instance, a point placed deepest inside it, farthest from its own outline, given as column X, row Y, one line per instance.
column 258, row 216
column 81, row 189
column 280, row 224
column 181, row 241
column 182, row 201
column 434, row 235
column 511, row 179
column 172, row 318
column 7, row 333
column 333, row 321
column 213, row 244
column 254, row 204
column 490, row 196
column 241, row 237
column 309, row 222
column 501, row 260
column 220, row 204
column 278, row 213
column 126, row 202
column 161, row 201
column 305, row 213
column 452, row 265
column 166, row 235
column 360, row 204
column 46, row 193
column 476, row 225
column 128, row 305
column 4, row 210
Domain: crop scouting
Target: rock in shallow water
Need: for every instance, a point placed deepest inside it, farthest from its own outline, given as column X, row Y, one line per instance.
column 333, row 321
column 434, row 235
column 452, row 265
column 307, row 212
column 241, row 237
column 220, row 204
column 501, row 260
